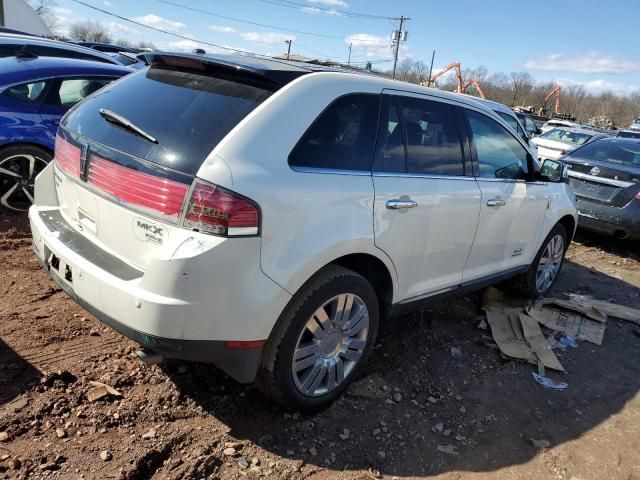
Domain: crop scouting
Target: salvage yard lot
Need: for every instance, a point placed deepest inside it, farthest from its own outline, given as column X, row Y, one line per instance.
column 437, row 401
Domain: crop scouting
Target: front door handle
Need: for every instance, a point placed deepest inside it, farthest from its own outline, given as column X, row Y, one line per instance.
column 398, row 204
column 495, row 202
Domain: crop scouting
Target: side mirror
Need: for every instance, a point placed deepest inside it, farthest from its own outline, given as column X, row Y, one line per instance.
column 554, row 171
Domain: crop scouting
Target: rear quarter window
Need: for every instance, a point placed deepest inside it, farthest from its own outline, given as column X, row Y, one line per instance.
column 188, row 112
column 342, row 137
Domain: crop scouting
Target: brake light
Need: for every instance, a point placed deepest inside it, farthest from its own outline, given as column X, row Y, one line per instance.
column 137, row 188
column 67, row 157
column 213, row 209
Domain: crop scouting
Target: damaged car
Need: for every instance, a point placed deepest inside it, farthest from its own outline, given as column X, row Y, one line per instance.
column 270, row 216
column 605, row 176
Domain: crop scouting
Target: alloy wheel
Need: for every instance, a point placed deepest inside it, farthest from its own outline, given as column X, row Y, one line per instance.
column 330, row 345
column 549, row 264
column 17, row 177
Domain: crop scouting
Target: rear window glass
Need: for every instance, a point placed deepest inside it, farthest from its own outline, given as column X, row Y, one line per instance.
column 625, row 153
column 26, row 92
column 566, row 136
column 189, row 113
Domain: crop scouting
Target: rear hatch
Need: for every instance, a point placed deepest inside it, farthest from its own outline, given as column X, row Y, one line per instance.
column 126, row 158
column 614, row 180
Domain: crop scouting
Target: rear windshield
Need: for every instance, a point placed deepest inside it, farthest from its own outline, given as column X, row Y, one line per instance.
column 187, row 112
column 566, row 136
column 624, row 153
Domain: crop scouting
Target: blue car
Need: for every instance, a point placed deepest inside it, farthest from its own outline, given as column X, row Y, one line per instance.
column 35, row 92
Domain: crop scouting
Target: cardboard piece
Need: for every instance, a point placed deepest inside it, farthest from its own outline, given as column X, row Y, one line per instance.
column 611, row 309
column 569, row 323
column 538, row 343
column 581, row 305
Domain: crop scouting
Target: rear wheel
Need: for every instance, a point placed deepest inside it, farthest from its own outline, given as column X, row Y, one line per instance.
column 321, row 342
column 19, row 166
column 544, row 270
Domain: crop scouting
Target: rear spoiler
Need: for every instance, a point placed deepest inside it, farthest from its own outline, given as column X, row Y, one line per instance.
column 220, row 66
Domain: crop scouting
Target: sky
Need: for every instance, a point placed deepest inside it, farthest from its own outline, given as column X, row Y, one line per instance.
column 567, row 41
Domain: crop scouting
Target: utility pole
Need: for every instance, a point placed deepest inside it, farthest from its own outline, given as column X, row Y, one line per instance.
column 288, row 48
column 398, row 37
column 1, row 13
column 349, row 60
column 433, row 56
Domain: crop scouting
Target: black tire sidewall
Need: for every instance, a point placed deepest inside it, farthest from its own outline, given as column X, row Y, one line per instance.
column 556, row 230
column 11, row 150
column 282, row 372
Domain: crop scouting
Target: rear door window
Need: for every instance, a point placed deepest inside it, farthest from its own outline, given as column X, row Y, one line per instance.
column 342, row 137
column 72, row 90
column 421, row 137
column 26, row 92
column 188, row 111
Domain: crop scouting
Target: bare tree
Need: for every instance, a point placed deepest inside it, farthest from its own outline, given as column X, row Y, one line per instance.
column 90, row 31
column 521, row 85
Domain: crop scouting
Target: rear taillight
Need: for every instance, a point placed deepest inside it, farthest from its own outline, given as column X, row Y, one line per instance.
column 637, row 197
column 137, row 188
column 213, row 209
column 67, row 157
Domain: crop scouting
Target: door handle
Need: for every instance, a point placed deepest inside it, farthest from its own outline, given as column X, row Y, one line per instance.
column 398, row 204
column 495, row 202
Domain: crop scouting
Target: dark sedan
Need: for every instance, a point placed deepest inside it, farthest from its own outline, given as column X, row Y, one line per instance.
column 605, row 176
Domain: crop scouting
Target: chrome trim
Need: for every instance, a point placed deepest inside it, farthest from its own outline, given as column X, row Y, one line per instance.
column 331, row 171
column 495, row 202
column 506, row 180
column 608, row 181
column 400, row 204
column 420, row 175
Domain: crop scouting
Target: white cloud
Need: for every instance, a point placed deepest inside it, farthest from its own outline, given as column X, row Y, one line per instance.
column 374, row 46
column 588, row 63
column 316, row 10
column 61, row 19
column 183, row 45
column 107, row 3
column 221, row 29
column 330, row 3
column 120, row 29
column 600, row 86
column 158, row 22
column 269, row 38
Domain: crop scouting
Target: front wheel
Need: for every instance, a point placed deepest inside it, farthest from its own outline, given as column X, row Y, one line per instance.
column 321, row 341
column 544, row 270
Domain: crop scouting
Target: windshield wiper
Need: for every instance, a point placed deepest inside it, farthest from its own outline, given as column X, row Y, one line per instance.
column 123, row 122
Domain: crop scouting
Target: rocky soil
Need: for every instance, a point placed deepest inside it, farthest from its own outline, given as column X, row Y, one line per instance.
column 437, row 400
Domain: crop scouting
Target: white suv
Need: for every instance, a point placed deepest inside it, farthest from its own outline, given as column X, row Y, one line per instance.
column 266, row 216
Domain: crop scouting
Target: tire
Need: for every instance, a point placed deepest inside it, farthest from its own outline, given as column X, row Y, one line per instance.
column 528, row 283
column 19, row 166
column 291, row 382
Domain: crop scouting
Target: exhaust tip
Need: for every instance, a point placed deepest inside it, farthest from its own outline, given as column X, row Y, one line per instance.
column 149, row 357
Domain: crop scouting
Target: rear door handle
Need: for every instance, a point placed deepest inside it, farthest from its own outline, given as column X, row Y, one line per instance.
column 398, row 204
column 495, row 202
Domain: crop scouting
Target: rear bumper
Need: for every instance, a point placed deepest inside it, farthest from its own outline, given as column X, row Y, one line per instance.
column 610, row 220
column 186, row 308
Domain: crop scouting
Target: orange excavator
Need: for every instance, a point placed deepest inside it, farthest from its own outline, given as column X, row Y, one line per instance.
column 451, row 66
column 476, row 84
column 555, row 91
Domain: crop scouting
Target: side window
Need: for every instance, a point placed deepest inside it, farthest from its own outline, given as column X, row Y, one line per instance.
column 426, row 141
column 72, row 90
column 26, row 92
column 499, row 154
column 433, row 142
column 390, row 152
column 531, row 127
column 342, row 137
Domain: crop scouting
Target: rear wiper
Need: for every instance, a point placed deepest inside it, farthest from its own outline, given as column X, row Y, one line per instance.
column 123, row 122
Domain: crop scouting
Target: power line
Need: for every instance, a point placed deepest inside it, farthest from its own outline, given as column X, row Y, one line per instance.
column 315, row 9
column 284, row 29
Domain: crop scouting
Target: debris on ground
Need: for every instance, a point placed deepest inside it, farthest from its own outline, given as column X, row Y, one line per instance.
column 100, row 390
column 549, row 383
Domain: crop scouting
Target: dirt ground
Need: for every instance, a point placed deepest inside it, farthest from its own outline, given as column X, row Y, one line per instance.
column 437, row 400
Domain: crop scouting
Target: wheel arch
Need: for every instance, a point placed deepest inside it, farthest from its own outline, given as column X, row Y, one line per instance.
column 42, row 146
column 569, row 224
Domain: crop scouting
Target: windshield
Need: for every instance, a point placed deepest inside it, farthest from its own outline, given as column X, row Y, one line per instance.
column 624, row 153
column 124, row 59
column 628, row 134
column 566, row 136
